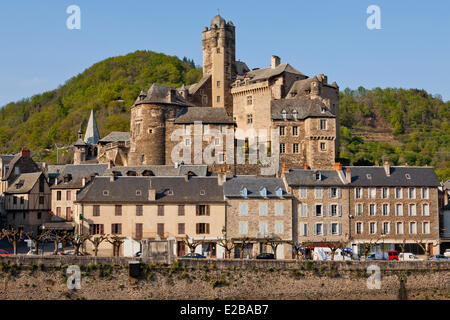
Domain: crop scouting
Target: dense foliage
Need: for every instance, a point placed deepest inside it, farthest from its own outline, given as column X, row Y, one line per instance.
column 109, row 87
column 417, row 121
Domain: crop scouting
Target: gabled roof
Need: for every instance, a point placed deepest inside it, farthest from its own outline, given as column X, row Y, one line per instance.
column 76, row 172
column 160, row 94
column 13, row 163
column 92, row 136
column 192, row 89
column 232, row 187
column 168, row 190
column 266, row 73
column 203, row 114
column 305, row 107
column 24, row 183
column 115, row 136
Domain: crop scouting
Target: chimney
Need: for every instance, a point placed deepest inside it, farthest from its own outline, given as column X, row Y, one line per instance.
column 305, row 167
column 151, row 194
column 25, row 153
column 337, row 166
column 110, row 164
column 348, row 175
column 387, row 168
column 284, row 169
column 274, row 62
column 112, row 177
column 221, row 177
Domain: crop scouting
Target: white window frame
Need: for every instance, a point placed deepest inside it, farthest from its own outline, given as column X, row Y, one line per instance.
column 412, row 213
column 261, row 211
column 397, row 212
column 398, row 193
column 303, row 193
column 241, row 211
column 318, row 192
column 397, row 230
column 243, row 226
column 425, row 213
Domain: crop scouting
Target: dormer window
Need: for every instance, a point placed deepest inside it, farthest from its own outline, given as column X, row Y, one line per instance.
column 279, row 192
column 263, row 192
column 323, row 110
column 105, row 193
column 369, row 176
column 202, row 192
column 295, row 115
column 138, row 193
column 170, row 192
column 244, row 192
column 318, row 176
column 284, row 114
column 407, row 176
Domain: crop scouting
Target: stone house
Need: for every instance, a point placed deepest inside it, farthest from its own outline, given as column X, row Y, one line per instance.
column 258, row 209
column 154, row 208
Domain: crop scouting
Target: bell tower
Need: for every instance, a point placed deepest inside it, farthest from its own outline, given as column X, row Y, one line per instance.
column 219, row 60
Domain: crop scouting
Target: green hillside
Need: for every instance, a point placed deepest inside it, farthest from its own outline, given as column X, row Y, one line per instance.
column 399, row 125
column 109, row 87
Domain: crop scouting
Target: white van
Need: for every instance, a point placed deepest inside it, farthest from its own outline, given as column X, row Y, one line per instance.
column 407, row 256
column 324, row 253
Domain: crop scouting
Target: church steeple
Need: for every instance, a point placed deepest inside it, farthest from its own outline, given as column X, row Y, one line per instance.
column 92, row 136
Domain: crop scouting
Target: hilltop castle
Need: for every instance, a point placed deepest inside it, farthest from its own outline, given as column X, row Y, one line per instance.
column 304, row 110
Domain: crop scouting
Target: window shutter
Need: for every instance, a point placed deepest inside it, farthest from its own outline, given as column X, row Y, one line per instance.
column 197, row 210
column 324, row 213
column 305, row 207
column 91, row 229
column 207, row 211
column 339, row 208
column 339, row 193
column 197, row 226
column 329, row 193
column 339, row 228
column 330, row 212
column 101, row 229
column 207, row 227
column 324, row 229
column 120, row 228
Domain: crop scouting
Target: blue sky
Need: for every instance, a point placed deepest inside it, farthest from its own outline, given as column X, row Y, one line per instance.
column 411, row 50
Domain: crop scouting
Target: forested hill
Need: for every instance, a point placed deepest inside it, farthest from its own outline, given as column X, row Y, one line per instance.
column 399, row 125
column 109, row 87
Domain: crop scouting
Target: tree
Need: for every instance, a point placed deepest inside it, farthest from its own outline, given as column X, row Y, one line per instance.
column 193, row 244
column 425, row 245
column 78, row 240
column 273, row 243
column 297, row 248
column 335, row 245
column 243, row 242
column 367, row 246
column 116, row 242
column 60, row 236
column 37, row 238
column 13, row 237
column 96, row 242
column 228, row 245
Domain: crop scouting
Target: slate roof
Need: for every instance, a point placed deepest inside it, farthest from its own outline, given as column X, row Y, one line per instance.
column 232, row 187
column 299, row 177
column 192, row 89
column 241, row 68
column 160, row 170
column 92, row 136
column 115, row 136
column 24, row 183
column 6, row 158
column 447, row 185
column 419, row 177
column 305, row 108
column 266, row 73
column 77, row 172
column 12, row 164
column 168, row 190
column 160, row 94
column 203, row 114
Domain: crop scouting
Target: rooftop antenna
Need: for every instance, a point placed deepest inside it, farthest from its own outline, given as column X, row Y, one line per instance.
column 218, row 13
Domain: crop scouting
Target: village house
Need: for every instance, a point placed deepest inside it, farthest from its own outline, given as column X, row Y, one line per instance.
column 143, row 207
column 258, row 210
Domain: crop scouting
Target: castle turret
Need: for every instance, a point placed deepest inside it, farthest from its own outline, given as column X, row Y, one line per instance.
column 219, row 60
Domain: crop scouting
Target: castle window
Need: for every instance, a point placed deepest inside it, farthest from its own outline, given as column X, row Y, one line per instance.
column 249, row 118
column 218, row 99
column 187, row 129
column 205, row 129
column 323, row 146
column 323, row 124
column 323, row 110
column 150, row 130
column 142, row 158
column 138, row 112
column 218, row 84
column 249, row 100
column 282, row 148
column 187, row 142
column 204, row 100
column 282, row 130
column 295, row 131
column 295, row 148
column 222, row 128
column 226, row 69
column 218, row 50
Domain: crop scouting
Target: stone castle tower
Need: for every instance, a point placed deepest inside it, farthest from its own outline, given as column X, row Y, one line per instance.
column 219, row 60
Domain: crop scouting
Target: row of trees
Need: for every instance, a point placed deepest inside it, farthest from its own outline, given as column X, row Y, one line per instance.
column 14, row 236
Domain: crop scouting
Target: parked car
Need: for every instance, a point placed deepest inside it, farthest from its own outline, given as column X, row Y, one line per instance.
column 4, row 252
column 407, row 256
column 265, row 256
column 378, row 256
column 72, row 253
column 439, row 257
column 447, row 253
column 194, row 256
column 393, row 255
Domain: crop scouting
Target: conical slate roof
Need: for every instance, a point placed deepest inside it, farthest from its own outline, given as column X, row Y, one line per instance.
column 92, row 136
